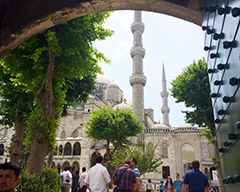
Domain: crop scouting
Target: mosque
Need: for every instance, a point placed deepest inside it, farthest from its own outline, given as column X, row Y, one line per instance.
column 178, row 145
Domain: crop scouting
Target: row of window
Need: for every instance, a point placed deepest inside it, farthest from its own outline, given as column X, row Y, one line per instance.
column 68, row 149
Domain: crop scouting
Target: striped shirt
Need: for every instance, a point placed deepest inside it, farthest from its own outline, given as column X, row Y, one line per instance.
column 126, row 180
column 137, row 172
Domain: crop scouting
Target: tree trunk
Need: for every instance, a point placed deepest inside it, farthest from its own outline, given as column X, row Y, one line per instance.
column 40, row 146
column 218, row 167
column 37, row 154
column 15, row 149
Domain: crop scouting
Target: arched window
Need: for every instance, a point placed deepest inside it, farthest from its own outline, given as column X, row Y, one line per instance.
column 76, row 149
column 165, row 150
column 67, row 149
column 60, row 149
column 63, row 134
column 1, row 149
column 187, row 152
column 75, row 134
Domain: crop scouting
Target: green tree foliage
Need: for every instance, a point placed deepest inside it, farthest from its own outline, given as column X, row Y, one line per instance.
column 192, row 87
column 147, row 160
column 114, row 126
column 49, row 182
column 47, row 65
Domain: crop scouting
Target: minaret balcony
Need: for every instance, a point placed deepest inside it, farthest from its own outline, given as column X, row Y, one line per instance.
column 164, row 94
column 165, row 109
column 137, row 26
column 137, row 52
column 137, row 79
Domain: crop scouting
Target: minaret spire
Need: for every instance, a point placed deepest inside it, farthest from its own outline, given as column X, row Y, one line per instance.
column 137, row 79
column 164, row 94
column 163, row 73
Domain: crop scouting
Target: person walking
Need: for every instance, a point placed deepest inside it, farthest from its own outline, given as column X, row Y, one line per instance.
column 195, row 180
column 82, row 184
column 75, row 180
column 161, row 186
column 98, row 178
column 66, row 176
column 134, row 167
column 125, row 178
column 177, row 183
column 9, row 176
column 149, row 185
column 168, row 187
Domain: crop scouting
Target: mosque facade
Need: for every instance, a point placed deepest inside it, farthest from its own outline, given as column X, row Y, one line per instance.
column 178, row 145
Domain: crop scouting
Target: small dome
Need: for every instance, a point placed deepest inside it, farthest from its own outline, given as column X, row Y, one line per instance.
column 186, row 125
column 123, row 106
column 102, row 80
column 112, row 85
column 159, row 126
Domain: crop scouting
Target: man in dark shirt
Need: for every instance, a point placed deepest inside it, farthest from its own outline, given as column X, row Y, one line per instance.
column 125, row 178
column 75, row 180
column 195, row 180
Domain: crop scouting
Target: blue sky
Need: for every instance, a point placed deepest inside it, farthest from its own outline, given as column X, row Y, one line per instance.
column 168, row 39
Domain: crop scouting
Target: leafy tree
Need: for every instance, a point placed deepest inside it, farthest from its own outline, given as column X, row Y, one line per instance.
column 42, row 64
column 146, row 158
column 15, row 106
column 114, row 126
column 192, row 87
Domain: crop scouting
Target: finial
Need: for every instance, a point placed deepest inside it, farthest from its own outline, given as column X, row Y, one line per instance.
column 163, row 61
column 113, row 81
column 123, row 98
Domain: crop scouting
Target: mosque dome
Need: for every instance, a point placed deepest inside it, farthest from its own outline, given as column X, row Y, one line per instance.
column 112, row 85
column 102, row 80
column 159, row 126
column 123, row 106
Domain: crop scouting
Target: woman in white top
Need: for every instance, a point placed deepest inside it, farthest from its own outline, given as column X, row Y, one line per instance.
column 149, row 185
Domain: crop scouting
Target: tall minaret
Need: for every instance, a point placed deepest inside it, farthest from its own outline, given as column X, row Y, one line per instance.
column 137, row 80
column 164, row 94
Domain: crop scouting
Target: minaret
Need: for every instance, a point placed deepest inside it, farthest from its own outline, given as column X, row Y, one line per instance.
column 137, row 79
column 164, row 94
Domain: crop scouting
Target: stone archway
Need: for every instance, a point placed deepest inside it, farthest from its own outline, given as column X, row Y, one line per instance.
column 187, row 152
column 187, row 156
column 24, row 19
column 93, row 158
column 75, row 167
column 65, row 164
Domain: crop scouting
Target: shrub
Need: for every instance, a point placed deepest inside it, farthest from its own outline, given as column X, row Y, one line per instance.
column 49, row 182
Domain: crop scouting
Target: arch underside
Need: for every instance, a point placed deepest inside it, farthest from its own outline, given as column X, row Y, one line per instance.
column 21, row 20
